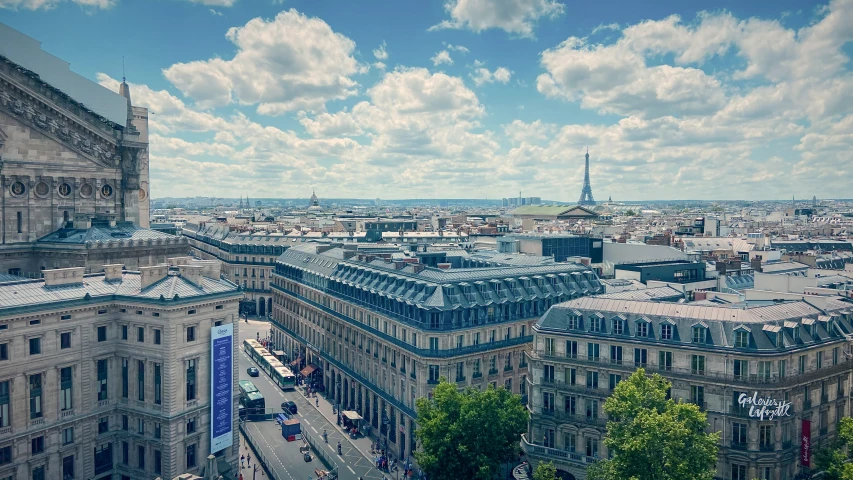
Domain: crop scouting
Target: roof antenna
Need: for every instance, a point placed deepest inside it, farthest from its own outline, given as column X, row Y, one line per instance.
column 123, row 78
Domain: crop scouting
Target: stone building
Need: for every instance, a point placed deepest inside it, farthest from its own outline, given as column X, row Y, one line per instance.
column 382, row 329
column 107, row 376
column 248, row 259
column 725, row 358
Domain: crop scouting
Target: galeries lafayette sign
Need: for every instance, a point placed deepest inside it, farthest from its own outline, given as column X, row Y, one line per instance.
column 764, row 408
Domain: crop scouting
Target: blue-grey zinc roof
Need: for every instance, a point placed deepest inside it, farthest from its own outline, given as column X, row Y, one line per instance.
column 35, row 292
column 122, row 231
column 439, row 288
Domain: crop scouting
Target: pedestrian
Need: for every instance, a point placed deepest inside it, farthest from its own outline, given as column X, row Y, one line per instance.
column 241, row 476
column 249, row 459
column 242, row 461
column 316, row 401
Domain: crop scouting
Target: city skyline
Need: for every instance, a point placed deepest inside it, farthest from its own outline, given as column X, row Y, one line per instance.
column 728, row 101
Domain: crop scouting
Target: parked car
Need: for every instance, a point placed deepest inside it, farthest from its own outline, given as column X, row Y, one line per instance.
column 289, row 406
column 253, row 372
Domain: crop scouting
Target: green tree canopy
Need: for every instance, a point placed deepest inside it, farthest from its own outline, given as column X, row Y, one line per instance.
column 545, row 471
column 832, row 460
column 630, row 213
column 469, row 433
column 651, row 436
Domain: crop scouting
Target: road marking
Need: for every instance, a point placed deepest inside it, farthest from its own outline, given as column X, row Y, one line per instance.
column 307, row 422
column 315, row 430
column 351, row 470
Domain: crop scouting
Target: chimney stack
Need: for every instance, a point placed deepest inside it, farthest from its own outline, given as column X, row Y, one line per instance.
column 82, row 221
column 150, row 275
column 177, row 261
column 113, row 272
column 191, row 273
column 63, row 276
column 756, row 263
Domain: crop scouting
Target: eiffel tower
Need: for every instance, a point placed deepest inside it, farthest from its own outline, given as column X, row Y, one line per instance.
column 586, row 193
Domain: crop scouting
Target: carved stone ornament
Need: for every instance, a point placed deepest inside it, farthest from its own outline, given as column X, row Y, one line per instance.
column 48, row 121
column 18, row 189
column 42, row 189
column 64, row 189
column 86, row 190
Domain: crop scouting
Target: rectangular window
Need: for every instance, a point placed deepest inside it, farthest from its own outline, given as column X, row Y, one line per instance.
column 571, row 376
column 665, row 361
column 571, row 349
column 641, row 357
column 65, row 386
column 783, row 367
column 140, row 380
column 593, row 351
column 433, row 373
column 37, row 445
column 819, row 360
column 140, row 426
column 766, row 437
column 570, row 404
column 764, row 367
column 103, row 458
column 591, row 409
column 739, row 472
column 741, row 339
column 191, row 380
column 102, row 333
column 741, row 369
column 642, row 329
column 697, row 364
column 68, row 436
column 591, row 379
column 191, row 460
column 5, row 401
column 140, row 334
column 802, row 364
column 125, row 378
column 158, row 384
column 35, row 346
column 65, row 340
column 433, row 343
column 190, row 426
column 140, row 457
column 102, row 380
column 697, row 395
column 68, row 467
column 616, row 354
column 157, row 339
column 190, row 334
column 103, row 425
column 614, row 380
column 125, row 453
column 124, row 332
column 5, row 455
column 157, row 431
column 158, row 462
column 125, row 423
column 35, row 396
column 739, row 434
column 666, row 331
column 38, row 473
column 548, row 401
column 20, row 222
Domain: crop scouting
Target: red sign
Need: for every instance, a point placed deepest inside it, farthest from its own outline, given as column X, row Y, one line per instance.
column 806, row 444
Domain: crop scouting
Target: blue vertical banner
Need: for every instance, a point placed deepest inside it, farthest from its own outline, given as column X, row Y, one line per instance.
column 221, row 387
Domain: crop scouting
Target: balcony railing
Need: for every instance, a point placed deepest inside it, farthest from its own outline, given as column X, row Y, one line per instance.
column 740, row 446
column 543, row 451
column 569, row 418
column 741, row 380
column 575, row 388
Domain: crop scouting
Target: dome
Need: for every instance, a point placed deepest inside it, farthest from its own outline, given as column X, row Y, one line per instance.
column 314, row 203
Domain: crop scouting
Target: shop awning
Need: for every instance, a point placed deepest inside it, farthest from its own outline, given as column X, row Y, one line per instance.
column 296, row 362
column 351, row 416
column 308, row 370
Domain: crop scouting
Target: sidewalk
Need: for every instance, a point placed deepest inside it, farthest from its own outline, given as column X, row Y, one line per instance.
column 362, row 444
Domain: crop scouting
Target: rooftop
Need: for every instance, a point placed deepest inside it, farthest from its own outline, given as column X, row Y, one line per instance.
column 123, row 231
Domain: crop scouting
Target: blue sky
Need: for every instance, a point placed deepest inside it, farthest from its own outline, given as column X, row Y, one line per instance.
column 474, row 98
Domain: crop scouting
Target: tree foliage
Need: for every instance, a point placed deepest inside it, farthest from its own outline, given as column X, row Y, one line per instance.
column 651, row 436
column 468, row 433
column 545, row 471
column 630, row 213
column 833, row 459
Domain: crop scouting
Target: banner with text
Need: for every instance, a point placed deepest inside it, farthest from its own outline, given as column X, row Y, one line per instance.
column 221, row 387
column 806, row 444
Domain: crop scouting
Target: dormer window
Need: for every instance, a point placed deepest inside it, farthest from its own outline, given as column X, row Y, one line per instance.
column 700, row 333
column 643, row 328
column 665, row 331
column 741, row 339
column 574, row 321
column 618, row 325
column 595, row 323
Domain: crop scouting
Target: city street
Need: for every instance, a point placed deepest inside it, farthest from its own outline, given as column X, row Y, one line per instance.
column 283, row 456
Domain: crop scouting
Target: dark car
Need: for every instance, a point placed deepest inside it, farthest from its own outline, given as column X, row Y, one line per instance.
column 289, row 406
column 253, row 372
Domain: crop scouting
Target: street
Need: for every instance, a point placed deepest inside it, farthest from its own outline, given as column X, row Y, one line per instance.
column 285, row 455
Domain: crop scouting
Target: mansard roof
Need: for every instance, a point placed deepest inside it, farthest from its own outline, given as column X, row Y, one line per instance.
column 442, row 288
column 721, row 320
column 122, row 232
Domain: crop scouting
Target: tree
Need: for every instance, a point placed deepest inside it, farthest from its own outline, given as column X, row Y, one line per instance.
column 545, row 471
column 651, row 436
column 468, row 433
column 630, row 213
column 833, row 459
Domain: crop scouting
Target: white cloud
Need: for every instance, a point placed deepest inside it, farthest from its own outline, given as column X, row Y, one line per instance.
column 442, row 57
column 215, row 3
column 379, row 65
column 214, row 12
column 292, row 62
column 513, row 16
column 455, row 48
column 602, row 27
column 381, row 53
column 483, row 75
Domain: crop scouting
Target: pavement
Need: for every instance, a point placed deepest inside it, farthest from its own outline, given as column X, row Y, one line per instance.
column 282, row 457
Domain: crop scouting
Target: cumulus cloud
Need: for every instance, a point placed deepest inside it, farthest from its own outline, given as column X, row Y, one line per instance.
column 292, row 62
column 217, row 13
column 513, row 16
column 442, row 57
column 483, row 75
column 455, row 48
